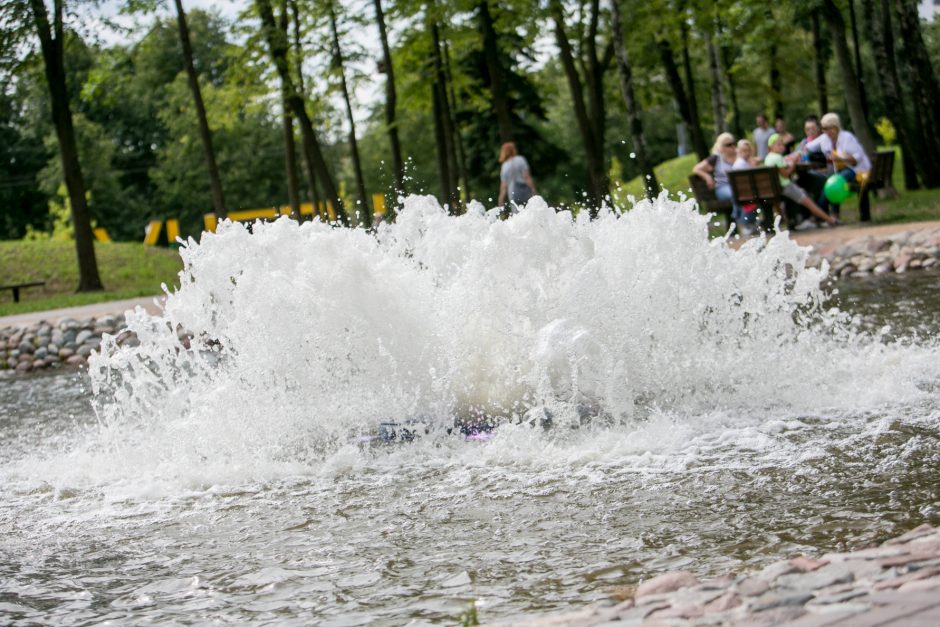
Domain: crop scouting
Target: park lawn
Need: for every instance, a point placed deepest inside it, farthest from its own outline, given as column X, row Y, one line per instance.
column 909, row 206
column 128, row 270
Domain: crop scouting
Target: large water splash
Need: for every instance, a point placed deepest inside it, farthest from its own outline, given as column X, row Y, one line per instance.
column 303, row 335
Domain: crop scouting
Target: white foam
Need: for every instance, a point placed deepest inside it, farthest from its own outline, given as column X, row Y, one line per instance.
column 305, row 334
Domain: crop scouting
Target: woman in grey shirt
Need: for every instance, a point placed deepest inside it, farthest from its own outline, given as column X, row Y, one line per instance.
column 515, row 181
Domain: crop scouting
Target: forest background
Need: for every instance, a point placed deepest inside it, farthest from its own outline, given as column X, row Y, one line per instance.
column 457, row 79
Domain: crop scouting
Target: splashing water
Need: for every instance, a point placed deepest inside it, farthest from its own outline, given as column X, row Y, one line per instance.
column 714, row 392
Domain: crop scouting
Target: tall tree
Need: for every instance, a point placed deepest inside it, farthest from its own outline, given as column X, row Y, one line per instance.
column 694, row 117
column 924, row 89
column 719, row 108
column 278, row 46
column 591, row 117
column 391, row 101
column 878, row 16
column 290, row 154
column 725, row 50
column 820, row 60
column 674, row 79
column 494, row 69
column 298, row 48
column 629, row 99
column 52, row 42
column 365, row 214
column 853, row 94
column 460, row 156
column 444, row 126
column 205, row 135
column 857, row 50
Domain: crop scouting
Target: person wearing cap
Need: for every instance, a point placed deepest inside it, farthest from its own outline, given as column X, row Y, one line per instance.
column 842, row 150
column 776, row 147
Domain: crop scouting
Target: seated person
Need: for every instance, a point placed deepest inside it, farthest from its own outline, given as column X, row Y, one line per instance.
column 842, row 150
column 746, row 158
column 714, row 171
column 777, row 147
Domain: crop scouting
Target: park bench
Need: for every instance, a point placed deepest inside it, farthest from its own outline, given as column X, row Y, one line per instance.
column 759, row 186
column 879, row 178
column 706, row 198
column 16, row 287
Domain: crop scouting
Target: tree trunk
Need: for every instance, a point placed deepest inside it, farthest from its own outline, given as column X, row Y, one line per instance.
column 458, row 139
column 629, row 99
column 695, row 125
column 820, row 61
column 277, row 45
column 591, row 117
column 853, row 95
column 290, row 155
column 391, row 102
column 725, row 51
column 365, row 212
column 446, row 119
column 882, row 40
column 859, row 72
column 53, row 55
column 215, row 182
column 776, row 83
column 924, row 89
column 440, row 141
column 718, row 97
column 495, row 71
column 310, row 177
column 678, row 92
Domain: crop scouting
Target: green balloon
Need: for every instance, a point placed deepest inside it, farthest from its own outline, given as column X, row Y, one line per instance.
column 837, row 189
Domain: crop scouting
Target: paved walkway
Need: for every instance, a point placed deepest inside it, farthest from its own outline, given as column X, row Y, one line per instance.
column 84, row 311
column 847, row 233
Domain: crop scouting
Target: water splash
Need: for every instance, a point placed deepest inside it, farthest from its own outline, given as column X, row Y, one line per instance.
column 303, row 335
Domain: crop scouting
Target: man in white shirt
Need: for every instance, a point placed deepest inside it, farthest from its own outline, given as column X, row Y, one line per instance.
column 842, row 150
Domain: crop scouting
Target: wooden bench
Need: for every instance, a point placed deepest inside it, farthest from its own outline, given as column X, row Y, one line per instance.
column 879, row 178
column 16, row 287
column 759, row 186
column 706, row 198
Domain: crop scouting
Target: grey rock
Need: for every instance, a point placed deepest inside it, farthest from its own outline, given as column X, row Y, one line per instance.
column 85, row 350
column 830, row 575
column 69, row 324
column 53, row 348
column 41, row 352
column 69, row 336
column 65, row 353
column 71, row 345
column 44, row 331
column 24, row 366
column 25, row 347
column 75, row 360
column 107, row 321
column 776, row 599
column 82, row 336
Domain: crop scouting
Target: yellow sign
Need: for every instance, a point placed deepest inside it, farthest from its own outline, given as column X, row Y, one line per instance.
column 152, row 234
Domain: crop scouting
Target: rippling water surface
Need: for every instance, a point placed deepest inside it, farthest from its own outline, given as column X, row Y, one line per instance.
column 740, row 417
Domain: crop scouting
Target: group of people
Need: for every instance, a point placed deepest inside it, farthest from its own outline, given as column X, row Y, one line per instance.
column 827, row 146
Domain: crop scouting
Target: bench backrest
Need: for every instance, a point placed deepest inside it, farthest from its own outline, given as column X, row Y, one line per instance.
column 755, row 184
column 706, row 197
column 882, row 169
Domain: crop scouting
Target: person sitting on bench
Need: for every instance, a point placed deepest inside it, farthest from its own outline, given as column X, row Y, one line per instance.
column 791, row 190
column 843, row 150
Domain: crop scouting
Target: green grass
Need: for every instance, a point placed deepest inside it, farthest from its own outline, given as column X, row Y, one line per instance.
column 909, row 206
column 128, row 270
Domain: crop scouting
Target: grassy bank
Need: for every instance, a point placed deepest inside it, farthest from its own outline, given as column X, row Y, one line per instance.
column 127, row 270
column 909, row 206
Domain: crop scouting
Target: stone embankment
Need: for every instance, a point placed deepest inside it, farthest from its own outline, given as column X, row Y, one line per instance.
column 67, row 342
column 872, row 254
column 897, row 583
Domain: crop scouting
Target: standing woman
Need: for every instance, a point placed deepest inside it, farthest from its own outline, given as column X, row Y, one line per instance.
column 514, row 178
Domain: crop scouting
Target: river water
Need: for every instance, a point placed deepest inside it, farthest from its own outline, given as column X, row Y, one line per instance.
column 712, row 410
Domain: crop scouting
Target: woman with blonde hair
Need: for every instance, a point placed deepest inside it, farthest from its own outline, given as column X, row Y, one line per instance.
column 515, row 181
column 714, row 170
